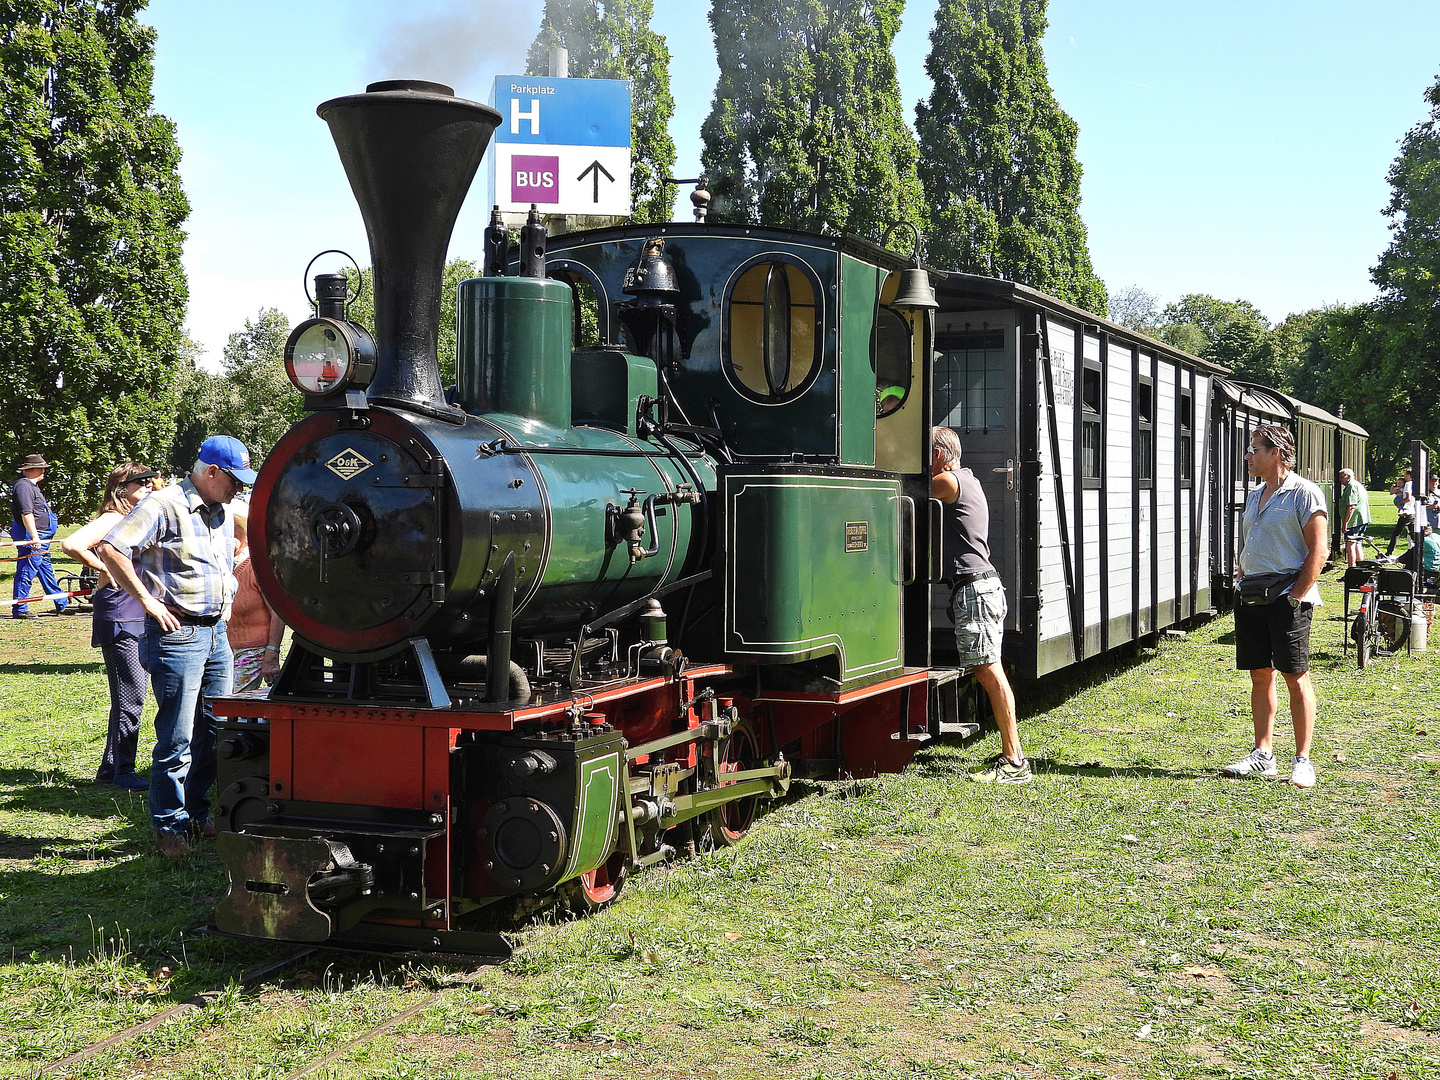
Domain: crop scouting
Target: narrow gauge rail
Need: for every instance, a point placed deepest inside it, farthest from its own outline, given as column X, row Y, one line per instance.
column 199, row 1001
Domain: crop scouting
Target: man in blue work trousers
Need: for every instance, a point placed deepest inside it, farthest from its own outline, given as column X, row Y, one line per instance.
column 32, row 520
column 175, row 553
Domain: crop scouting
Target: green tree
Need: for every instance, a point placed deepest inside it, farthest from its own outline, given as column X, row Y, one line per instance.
column 806, row 130
column 362, row 310
column 997, row 153
column 1232, row 333
column 1404, row 395
column 252, row 398
column 1135, row 308
column 92, row 293
column 612, row 39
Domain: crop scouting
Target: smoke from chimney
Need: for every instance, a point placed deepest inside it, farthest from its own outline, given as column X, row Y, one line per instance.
column 459, row 42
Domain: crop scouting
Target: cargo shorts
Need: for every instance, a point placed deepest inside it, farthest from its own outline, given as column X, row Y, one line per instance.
column 979, row 611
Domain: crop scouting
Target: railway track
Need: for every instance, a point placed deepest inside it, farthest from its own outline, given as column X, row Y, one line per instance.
column 202, row 1000
column 199, row 1001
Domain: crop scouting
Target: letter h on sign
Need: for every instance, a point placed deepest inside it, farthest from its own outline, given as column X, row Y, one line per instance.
column 516, row 116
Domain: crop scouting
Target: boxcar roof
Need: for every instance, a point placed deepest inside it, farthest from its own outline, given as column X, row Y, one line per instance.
column 991, row 289
column 1255, row 397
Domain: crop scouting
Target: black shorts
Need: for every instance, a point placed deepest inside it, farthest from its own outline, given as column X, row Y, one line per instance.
column 1273, row 636
column 1356, row 533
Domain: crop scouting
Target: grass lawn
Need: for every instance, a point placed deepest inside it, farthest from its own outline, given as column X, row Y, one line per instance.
column 1129, row 914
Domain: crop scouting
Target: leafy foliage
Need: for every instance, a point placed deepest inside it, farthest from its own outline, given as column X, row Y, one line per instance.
column 612, row 39
column 92, row 293
column 1380, row 361
column 252, row 399
column 1135, row 308
column 997, row 153
column 1230, row 332
column 806, row 130
column 362, row 310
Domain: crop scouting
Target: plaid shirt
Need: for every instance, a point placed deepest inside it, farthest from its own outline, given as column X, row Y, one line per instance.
column 183, row 550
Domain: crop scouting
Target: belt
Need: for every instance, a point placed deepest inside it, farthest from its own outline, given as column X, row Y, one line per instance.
column 193, row 620
column 968, row 579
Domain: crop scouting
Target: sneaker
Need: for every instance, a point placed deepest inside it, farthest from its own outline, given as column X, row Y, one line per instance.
column 19, row 614
column 1302, row 773
column 131, row 782
column 172, row 845
column 1256, row 763
column 1001, row 770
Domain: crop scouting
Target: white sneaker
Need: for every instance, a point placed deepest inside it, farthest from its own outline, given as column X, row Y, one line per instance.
column 1302, row 773
column 1256, row 763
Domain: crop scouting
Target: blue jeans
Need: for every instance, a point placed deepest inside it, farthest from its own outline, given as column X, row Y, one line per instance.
column 187, row 667
column 36, row 564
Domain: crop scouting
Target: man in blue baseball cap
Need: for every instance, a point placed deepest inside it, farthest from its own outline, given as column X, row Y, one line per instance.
column 175, row 554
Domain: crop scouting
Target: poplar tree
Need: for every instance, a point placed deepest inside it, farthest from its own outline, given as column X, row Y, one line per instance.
column 92, row 293
column 806, row 130
column 997, row 153
column 612, row 39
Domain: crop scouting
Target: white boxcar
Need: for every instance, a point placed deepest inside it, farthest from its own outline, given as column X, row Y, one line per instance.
column 1091, row 443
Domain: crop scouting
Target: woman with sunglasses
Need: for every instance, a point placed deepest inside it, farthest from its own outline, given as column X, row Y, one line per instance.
column 118, row 626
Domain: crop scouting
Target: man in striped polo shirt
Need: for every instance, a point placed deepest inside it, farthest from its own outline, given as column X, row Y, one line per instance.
column 175, row 553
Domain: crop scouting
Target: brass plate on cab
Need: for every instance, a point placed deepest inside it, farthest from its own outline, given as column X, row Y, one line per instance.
column 857, row 536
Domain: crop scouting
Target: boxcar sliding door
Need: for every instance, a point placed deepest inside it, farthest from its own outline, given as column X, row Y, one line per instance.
column 975, row 395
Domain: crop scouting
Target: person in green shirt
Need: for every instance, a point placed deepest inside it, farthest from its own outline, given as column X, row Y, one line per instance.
column 1354, row 514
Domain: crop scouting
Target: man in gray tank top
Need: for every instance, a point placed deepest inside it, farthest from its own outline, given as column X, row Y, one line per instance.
column 977, row 603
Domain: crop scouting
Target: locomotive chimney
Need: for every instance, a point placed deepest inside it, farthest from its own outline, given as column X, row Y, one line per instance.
column 410, row 150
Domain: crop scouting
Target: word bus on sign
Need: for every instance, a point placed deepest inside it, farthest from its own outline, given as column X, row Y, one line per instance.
column 562, row 144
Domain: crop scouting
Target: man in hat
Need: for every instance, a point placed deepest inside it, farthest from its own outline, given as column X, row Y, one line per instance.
column 32, row 520
column 175, row 553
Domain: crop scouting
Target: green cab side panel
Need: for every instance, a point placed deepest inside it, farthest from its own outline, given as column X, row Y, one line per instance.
column 812, row 568
column 860, row 285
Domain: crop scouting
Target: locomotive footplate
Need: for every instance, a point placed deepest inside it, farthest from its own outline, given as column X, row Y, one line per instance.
column 300, row 878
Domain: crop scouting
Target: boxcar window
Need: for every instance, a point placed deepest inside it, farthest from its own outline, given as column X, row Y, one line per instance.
column 890, row 356
column 1145, row 432
column 1090, row 417
column 971, row 379
column 1185, row 438
column 773, row 341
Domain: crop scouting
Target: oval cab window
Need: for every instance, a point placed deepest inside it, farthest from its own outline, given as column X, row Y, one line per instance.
column 773, row 330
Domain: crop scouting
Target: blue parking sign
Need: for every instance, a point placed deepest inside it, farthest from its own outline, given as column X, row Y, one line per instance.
column 563, row 112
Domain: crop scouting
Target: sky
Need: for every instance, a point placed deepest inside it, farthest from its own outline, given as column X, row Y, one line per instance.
column 1232, row 147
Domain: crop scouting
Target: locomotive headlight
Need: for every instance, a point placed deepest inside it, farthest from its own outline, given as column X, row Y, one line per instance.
column 326, row 356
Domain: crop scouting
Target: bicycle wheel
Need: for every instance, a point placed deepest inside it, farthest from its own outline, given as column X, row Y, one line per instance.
column 1393, row 626
column 1365, row 630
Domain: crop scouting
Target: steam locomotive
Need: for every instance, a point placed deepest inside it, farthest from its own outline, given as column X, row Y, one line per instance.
column 584, row 611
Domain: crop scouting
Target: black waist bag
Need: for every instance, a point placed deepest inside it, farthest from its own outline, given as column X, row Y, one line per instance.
column 1266, row 588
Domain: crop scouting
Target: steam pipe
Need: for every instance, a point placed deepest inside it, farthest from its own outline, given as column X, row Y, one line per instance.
column 502, row 615
column 410, row 150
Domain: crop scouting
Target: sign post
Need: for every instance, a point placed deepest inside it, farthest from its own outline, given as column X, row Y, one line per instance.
column 563, row 145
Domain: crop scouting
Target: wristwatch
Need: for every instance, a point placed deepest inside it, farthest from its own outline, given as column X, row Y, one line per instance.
column 1294, row 604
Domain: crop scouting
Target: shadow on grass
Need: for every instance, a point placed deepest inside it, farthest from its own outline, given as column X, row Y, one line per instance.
column 39, row 793
column 97, row 668
column 1096, row 769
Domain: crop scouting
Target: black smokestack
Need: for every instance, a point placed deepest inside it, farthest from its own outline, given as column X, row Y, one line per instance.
column 410, row 150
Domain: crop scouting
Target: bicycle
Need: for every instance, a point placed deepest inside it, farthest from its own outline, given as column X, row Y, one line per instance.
column 1382, row 625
